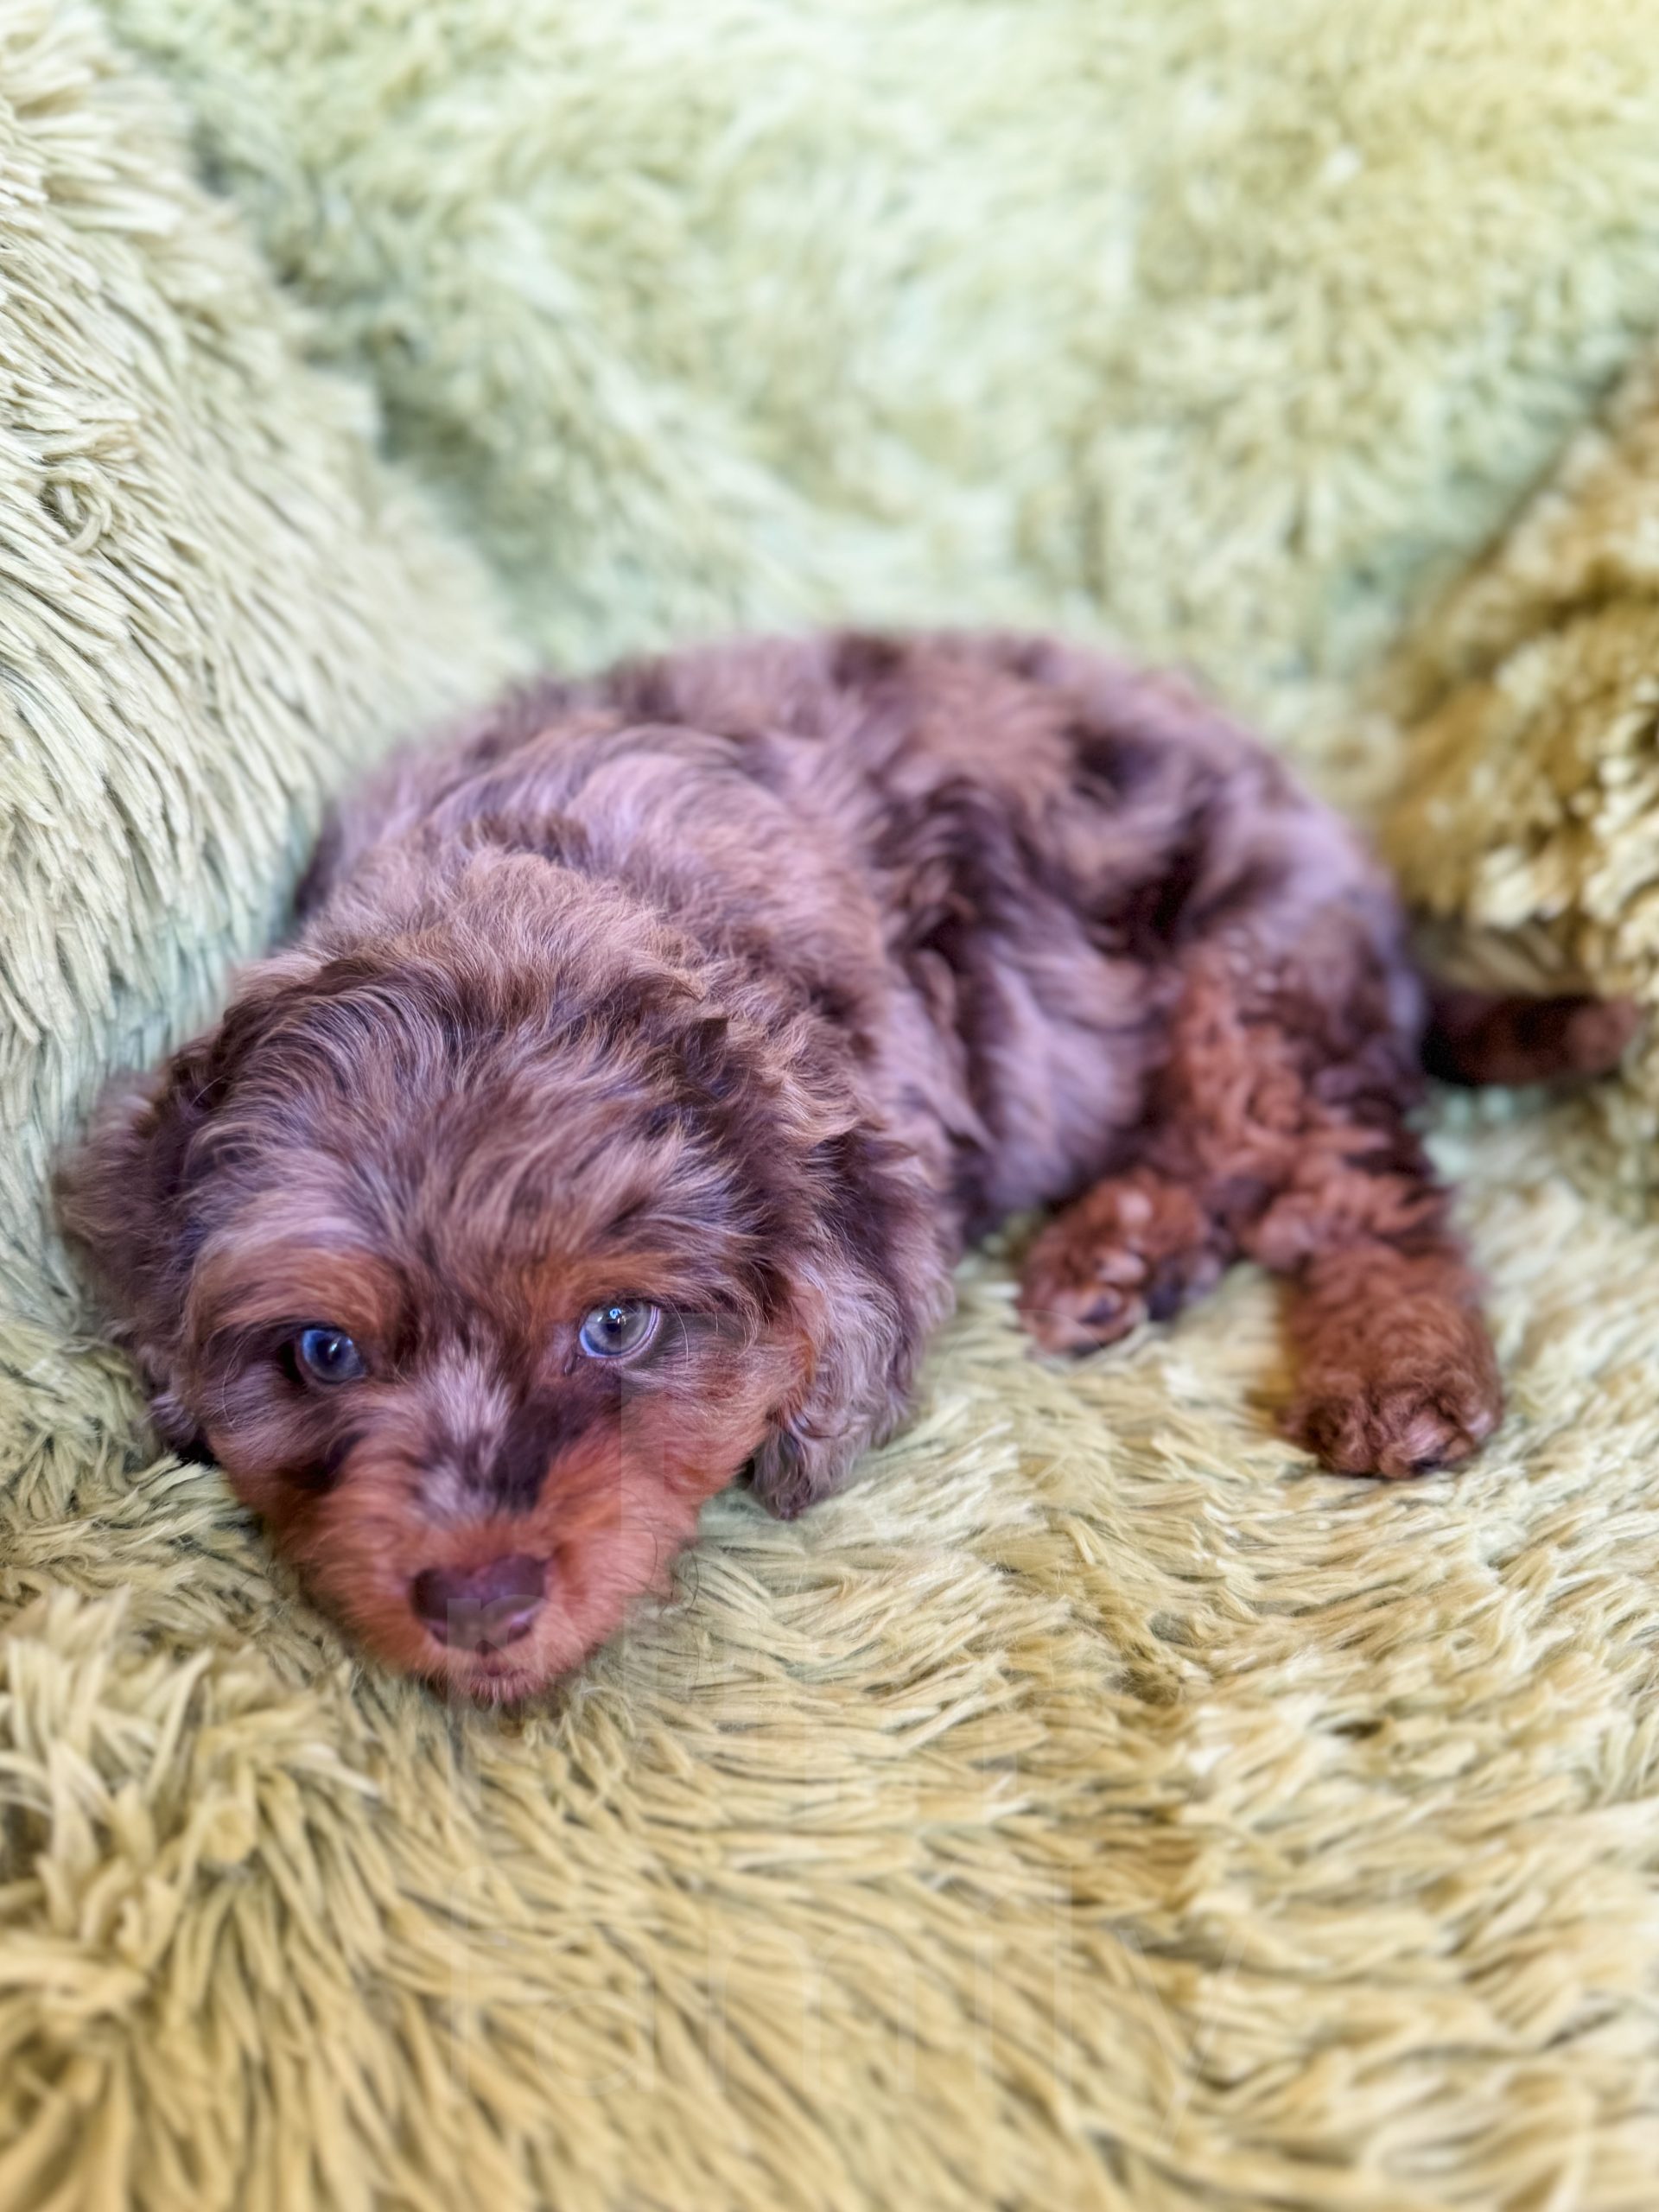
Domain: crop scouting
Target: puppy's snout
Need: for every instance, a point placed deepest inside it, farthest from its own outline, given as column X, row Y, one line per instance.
column 480, row 1608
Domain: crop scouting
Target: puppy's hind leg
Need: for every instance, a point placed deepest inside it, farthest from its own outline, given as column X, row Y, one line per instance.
column 1299, row 1081
column 1396, row 1374
column 1280, row 1132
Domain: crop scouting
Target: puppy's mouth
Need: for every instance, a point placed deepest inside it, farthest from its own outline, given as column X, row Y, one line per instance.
column 491, row 1680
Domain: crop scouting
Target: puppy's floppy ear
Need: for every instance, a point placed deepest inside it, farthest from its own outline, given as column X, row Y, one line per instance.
column 120, row 1198
column 810, row 1452
column 863, row 1293
column 861, row 1349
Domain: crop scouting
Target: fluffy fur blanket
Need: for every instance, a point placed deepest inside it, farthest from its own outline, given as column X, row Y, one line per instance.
column 1094, row 1806
column 1527, row 814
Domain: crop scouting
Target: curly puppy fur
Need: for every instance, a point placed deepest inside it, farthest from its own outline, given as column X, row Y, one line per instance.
column 753, row 983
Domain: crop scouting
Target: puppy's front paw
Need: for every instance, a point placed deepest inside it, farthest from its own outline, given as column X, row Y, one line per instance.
column 1132, row 1250
column 1405, row 1415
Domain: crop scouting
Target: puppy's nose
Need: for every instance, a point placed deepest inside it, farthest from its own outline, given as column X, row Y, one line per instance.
column 480, row 1608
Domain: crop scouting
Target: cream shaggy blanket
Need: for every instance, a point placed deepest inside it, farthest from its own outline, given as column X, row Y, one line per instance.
column 1094, row 1806
column 1528, row 816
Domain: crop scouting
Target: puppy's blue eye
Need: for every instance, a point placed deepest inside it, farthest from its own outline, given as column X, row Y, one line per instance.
column 613, row 1332
column 329, row 1355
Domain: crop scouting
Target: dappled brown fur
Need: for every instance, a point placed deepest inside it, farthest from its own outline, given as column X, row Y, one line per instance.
column 743, row 988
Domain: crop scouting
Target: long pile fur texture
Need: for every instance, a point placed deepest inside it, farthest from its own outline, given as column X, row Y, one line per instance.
column 1527, row 805
column 1225, row 326
column 1093, row 1807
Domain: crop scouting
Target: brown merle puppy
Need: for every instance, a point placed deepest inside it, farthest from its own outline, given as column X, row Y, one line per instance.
column 645, row 1059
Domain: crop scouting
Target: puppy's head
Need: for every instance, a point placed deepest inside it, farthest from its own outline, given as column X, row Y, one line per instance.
column 480, row 1254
